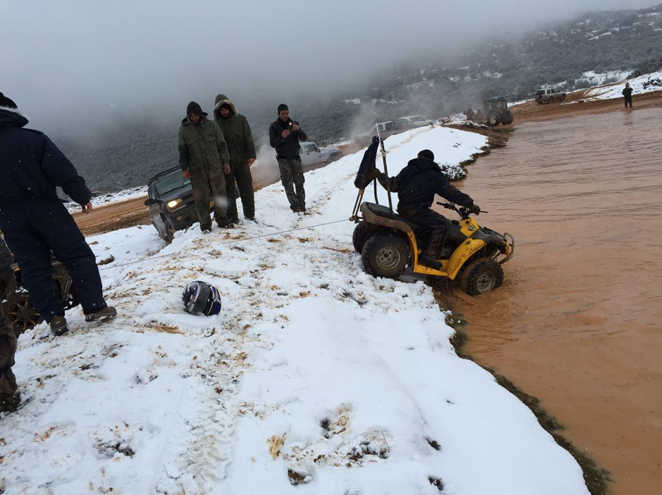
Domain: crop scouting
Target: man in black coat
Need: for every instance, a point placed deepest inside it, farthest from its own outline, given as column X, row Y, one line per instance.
column 9, row 397
column 36, row 223
column 284, row 135
column 416, row 185
column 627, row 95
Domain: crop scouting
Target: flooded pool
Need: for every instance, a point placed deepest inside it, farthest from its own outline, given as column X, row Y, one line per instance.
column 578, row 322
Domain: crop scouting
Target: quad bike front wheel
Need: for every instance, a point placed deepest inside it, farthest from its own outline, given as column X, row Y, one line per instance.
column 385, row 255
column 480, row 276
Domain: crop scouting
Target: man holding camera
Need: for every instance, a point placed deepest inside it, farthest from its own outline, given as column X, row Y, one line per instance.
column 284, row 136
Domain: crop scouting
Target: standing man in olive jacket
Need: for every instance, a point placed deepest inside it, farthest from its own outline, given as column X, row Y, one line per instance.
column 284, row 135
column 238, row 136
column 9, row 397
column 203, row 158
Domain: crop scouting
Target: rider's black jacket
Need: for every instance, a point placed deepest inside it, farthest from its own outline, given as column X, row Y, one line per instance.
column 417, row 184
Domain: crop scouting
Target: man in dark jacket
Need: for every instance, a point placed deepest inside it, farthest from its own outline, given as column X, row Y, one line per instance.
column 627, row 95
column 238, row 136
column 9, row 397
column 35, row 222
column 284, row 135
column 203, row 158
column 416, row 185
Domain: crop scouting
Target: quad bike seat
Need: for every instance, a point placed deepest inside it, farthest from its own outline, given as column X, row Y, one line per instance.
column 374, row 213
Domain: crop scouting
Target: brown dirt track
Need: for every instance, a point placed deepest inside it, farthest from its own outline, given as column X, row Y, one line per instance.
column 574, row 106
column 114, row 216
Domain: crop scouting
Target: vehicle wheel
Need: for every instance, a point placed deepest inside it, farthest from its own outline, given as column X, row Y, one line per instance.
column 20, row 313
column 385, row 255
column 507, row 118
column 482, row 275
column 563, row 98
column 170, row 232
column 362, row 231
column 493, row 119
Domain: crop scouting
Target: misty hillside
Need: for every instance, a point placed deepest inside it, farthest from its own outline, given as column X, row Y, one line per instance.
column 589, row 50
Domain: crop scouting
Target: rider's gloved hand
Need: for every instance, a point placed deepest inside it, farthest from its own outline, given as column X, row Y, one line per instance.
column 374, row 174
column 475, row 209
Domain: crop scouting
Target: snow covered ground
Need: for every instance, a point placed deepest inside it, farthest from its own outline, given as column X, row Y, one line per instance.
column 315, row 379
column 642, row 84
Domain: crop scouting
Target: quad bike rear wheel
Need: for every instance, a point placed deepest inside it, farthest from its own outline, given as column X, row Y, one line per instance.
column 480, row 276
column 361, row 233
column 385, row 255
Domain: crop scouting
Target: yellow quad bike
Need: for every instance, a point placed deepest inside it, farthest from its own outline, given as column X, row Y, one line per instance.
column 472, row 254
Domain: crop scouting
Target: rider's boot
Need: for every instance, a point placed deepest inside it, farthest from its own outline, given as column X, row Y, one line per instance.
column 430, row 255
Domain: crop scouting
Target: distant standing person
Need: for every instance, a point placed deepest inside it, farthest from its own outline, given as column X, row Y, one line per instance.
column 284, row 135
column 35, row 222
column 238, row 136
column 203, row 158
column 627, row 95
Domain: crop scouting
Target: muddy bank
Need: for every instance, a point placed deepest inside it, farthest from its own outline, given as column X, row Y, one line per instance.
column 577, row 323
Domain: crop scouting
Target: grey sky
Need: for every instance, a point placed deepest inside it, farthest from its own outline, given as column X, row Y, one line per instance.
column 59, row 59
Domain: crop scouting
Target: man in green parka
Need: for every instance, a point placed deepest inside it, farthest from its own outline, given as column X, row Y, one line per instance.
column 241, row 147
column 203, row 157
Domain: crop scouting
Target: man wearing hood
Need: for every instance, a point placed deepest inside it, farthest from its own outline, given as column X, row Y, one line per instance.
column 35, row 222
column 284, row 135
column 416, row 185
column 627, row 95
column 9, row 397
column 203, row 158
column 238, row 136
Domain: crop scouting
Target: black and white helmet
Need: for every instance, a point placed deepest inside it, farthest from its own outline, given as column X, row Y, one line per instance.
column 201, row 298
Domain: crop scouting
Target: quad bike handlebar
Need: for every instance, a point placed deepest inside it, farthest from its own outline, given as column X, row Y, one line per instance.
column 462, row 211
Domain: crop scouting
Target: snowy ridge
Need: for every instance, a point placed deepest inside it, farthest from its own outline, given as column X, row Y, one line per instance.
column 315, row 379
column 642, row 84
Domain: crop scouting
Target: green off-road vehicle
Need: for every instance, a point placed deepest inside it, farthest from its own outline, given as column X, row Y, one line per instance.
column 494, row 112
column 170, row 201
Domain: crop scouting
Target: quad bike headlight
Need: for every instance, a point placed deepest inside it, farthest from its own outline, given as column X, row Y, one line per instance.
column 174, row 205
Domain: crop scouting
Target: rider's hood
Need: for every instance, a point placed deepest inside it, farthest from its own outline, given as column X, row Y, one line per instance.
column 422, row 164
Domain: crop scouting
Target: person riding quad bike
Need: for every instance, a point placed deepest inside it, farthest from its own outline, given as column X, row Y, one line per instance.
column 416, row 185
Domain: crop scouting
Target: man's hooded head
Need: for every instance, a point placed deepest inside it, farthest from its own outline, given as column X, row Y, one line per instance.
column 7, row 102
column 194, row 113
column 223, row 102
column 10, row 114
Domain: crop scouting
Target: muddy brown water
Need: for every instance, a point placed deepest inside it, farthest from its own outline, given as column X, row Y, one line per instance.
column 578, row 322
